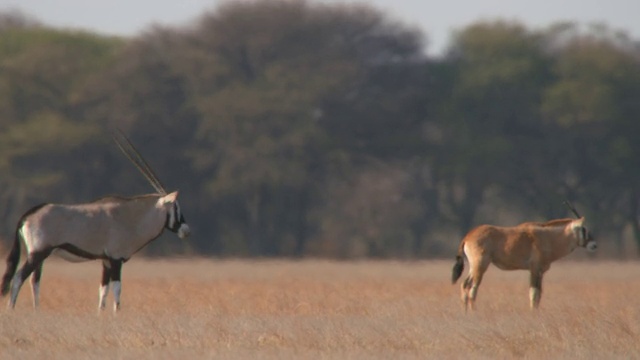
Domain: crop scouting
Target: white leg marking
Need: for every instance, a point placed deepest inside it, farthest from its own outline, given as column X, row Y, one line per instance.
column 117, row 289
column 104, row 290
column 35, row 291
column 534, row 297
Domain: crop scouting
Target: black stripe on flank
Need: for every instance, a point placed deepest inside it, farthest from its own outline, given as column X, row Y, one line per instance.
column 72, row 249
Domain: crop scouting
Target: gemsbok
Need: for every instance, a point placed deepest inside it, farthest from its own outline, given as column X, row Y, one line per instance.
column 529, row 246
column 110, row 229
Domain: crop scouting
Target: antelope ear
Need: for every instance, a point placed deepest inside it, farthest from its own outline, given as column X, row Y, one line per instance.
column 169, row 198
column 575, row 224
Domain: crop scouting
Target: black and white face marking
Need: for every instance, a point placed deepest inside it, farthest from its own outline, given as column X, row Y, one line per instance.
column 582, row 236
column 586, row 240
column 176, row 221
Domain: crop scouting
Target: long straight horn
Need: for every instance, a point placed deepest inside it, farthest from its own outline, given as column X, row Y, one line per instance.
column 136, row 159
column 573, row 209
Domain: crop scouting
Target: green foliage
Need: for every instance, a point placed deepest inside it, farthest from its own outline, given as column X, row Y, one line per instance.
column 42, row 72
column 42, row 133
column 293, row 128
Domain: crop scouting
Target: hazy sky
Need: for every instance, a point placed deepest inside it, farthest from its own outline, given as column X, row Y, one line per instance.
column 437, row 18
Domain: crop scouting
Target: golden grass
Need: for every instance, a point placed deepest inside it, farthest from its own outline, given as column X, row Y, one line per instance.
column 325, row 310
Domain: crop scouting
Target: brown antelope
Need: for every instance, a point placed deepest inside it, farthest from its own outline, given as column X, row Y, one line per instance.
column 529, row 246
column 111, row 229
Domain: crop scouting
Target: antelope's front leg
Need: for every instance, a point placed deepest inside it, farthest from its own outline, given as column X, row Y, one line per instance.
column 116, row 269
column 535, row 289
column 104, row 284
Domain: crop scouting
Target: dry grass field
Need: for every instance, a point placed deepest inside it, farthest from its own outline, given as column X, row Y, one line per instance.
column 325, row 310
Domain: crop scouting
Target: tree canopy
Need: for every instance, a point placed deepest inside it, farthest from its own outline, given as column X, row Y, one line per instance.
column 295, row 128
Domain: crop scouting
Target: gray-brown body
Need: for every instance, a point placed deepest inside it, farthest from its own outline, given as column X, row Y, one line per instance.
column 99, row 228
column 111, row 229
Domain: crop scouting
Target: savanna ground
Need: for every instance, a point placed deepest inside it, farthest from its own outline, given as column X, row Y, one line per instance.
column 325, row 310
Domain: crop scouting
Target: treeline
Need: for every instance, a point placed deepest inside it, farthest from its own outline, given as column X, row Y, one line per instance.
column 293, row 128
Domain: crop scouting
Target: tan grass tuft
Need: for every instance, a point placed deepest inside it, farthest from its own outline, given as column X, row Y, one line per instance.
column 323, row 309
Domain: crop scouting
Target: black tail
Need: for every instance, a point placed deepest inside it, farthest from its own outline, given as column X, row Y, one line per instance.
column 457, row 269
column 12, row 264
column 14, row 256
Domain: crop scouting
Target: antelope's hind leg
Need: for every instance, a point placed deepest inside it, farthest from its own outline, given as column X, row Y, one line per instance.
column 472, row 283
column 33, row 262
column 464, row 292
column 35, row 285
